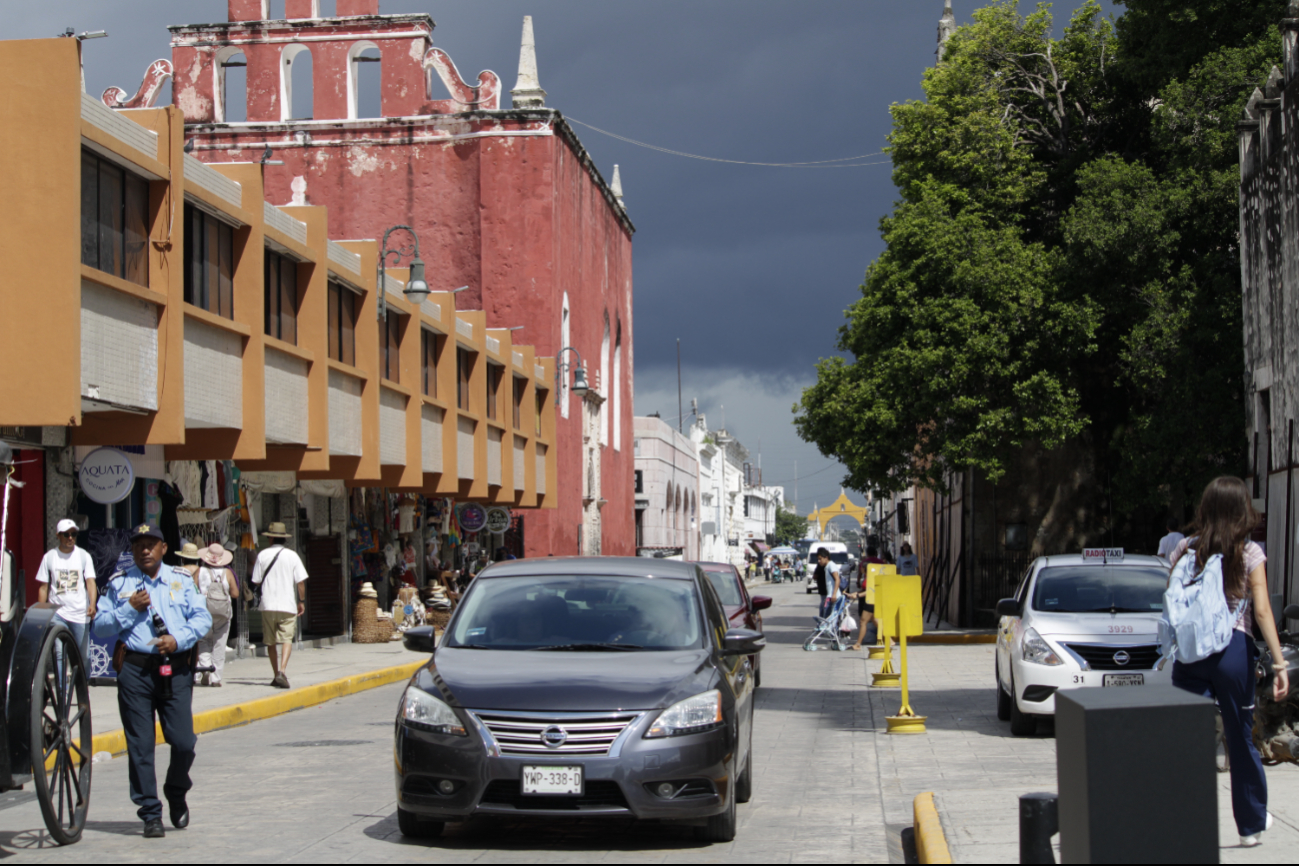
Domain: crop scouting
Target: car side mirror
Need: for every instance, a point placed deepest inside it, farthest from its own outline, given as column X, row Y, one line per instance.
column 1291, row 611
column 1009, row 607
column 421, row 639
column 761, row 602
column 743, row 642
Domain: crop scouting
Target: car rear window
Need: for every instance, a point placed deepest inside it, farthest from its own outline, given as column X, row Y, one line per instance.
column 728, row 588
column 1100, row 589
column 840, row 558
column 558, row 611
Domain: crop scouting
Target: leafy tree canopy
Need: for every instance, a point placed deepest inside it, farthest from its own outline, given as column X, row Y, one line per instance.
column 789, row 526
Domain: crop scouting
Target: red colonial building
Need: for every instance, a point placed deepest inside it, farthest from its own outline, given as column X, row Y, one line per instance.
column 506, row 202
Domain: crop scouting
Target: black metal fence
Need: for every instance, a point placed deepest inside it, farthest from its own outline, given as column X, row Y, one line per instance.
column 996, row 576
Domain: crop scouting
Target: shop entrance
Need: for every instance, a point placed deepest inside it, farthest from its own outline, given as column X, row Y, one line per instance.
column 326, row 589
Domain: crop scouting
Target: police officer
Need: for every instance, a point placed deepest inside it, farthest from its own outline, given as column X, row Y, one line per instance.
column 157, row 672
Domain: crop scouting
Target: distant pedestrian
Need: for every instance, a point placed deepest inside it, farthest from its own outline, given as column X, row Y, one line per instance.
column 67, row 581
column 1169, row 542
column 827, row 581
column 218, row 587
column 908, row 563
column 865, row 589
column 280, row 573
column 1223, row 523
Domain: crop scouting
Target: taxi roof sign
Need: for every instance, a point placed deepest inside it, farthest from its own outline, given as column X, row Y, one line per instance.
column 1102, row 555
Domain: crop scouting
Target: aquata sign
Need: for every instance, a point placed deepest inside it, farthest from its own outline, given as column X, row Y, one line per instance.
column 106, row 476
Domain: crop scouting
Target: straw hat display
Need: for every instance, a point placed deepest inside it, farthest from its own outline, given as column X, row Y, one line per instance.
column 368, row 591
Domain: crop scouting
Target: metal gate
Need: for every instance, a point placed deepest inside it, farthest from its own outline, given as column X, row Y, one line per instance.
column 996, row 576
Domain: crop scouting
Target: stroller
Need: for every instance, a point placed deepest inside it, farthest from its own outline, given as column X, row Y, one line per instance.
column 827, row 629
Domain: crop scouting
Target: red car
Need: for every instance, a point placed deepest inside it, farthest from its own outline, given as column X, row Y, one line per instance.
column 742, row 610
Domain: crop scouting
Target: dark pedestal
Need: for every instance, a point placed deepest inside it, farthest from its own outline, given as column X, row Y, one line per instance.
column 1137, row 776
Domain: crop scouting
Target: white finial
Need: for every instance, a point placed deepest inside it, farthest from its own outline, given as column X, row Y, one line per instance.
column 946, row 27
column 527, row 93
column 616, row 187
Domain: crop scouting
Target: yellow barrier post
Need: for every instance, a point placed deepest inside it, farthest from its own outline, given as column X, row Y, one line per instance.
column 880, row 650
column 901, row 616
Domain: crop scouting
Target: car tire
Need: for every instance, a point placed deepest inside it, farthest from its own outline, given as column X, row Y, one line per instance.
column 744, row 783
column 1021, row 724
column 416, row 827
column 721, row 828
column 1003, row 700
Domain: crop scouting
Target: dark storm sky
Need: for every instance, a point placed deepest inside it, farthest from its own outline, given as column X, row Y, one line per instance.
column 750, row 267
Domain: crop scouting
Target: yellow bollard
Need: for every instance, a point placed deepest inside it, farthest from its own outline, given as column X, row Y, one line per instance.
column 886, row 677
column 906, row 721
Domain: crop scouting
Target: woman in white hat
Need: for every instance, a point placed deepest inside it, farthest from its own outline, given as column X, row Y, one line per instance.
column 218, row 586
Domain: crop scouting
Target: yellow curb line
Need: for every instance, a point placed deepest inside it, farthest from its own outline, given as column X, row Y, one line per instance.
column 235, row 715
column 931, row 844
column 953, row 639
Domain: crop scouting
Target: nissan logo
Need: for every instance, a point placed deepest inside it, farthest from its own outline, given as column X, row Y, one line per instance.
column 1121, row 657
column 554, row 736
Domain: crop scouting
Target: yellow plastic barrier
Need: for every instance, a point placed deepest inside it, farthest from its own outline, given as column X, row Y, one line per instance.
column 900, row 612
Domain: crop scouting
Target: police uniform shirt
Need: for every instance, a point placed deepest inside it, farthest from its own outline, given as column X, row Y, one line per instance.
column 172, row 594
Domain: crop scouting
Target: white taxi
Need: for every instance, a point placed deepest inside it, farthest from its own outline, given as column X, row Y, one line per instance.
column 1085, row 620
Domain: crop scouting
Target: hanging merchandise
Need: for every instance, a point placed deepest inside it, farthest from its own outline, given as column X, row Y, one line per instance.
column 406, row 515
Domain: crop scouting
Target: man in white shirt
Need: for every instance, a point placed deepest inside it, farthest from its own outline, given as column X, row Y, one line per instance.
column 67, row 581
column 1169, row 542
column 280, row 573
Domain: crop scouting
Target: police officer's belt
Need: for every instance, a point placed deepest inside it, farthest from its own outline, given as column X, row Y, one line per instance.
column 152, row 660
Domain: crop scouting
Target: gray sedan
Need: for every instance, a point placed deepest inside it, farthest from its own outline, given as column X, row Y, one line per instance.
column 585, row 687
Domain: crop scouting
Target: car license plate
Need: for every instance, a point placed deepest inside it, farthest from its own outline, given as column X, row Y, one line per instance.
column 1123, row 680
column 552, row 781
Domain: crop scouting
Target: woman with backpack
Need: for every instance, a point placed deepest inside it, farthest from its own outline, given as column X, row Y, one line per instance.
column 1220, row 542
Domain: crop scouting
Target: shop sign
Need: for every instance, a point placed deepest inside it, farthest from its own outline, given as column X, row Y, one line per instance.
column 106, row 476
column 473, row 517
column 498, row 519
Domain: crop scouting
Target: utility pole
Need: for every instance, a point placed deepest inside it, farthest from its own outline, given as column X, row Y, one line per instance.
column 681, row 415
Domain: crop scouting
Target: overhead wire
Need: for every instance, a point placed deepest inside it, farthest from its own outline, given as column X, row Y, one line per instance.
column 824, row 163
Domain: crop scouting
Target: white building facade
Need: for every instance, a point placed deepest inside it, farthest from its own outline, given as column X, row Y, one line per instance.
column 667, row 491
column 736, row 516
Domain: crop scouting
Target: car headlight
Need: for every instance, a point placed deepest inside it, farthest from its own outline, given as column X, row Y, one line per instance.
column 421, row 710
column 694, row 715
column 1038, row 651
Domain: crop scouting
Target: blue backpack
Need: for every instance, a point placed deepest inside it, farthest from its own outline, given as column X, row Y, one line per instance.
column 1196, row 622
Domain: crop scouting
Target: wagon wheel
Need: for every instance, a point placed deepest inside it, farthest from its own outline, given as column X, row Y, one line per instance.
column 61, row 736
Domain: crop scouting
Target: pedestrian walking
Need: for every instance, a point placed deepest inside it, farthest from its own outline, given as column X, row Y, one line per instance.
column 67, row 580
column 218, row 588
column 280, row 573
column 1223, row 523
column 908, row 562
column 865, row 595
column 827, row 581
column 1169, row 542
column 157, row 617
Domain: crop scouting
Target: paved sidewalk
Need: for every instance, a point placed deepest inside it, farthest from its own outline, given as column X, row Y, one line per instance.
column 250, row 678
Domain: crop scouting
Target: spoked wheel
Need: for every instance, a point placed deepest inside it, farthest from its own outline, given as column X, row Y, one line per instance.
column 61, row 736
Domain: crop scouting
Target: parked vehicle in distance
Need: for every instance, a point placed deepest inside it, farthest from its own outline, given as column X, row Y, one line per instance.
column 1078, row 621
column 838, row 554
column 742, row 610
column 584, row 687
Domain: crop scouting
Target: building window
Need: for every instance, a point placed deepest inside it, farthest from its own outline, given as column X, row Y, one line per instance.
column 520, row 388
column 540, row 394
column 390, row 346
column 209, row 263
column 342, row 324
column 429, row 353
column 494, row 374
column 114, row 220
column 281, row 292
column 464, row 366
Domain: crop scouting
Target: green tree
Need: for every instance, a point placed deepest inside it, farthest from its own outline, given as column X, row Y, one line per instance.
column 789, row 526
column 1061, row 264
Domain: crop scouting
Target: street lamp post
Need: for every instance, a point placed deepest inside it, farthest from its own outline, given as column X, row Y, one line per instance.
column 580, row 386
column 416, row 289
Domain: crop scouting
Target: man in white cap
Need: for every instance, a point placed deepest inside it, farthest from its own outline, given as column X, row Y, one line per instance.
column 280, row 573
column 67, row 581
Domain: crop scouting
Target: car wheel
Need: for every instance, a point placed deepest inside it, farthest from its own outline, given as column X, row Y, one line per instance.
column 416, row 827
column 721, row 828
column 1021, row 724
column 1003, row 700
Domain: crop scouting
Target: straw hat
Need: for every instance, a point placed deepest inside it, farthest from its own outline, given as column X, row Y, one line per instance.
column 216, row 556
column 188, row 551
column 276, row 530
column 368, row 591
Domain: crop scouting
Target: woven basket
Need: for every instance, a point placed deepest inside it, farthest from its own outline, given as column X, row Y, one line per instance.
column 366, row 626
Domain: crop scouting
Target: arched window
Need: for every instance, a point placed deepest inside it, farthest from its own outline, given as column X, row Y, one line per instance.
column 295, row 83
column 364, row 80
column 617, row 390
column 604, row 383
column 667, row 507
column 231, row 70
column 565, row 378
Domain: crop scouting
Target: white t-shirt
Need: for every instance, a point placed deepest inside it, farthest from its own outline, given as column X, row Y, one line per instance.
column 279, row 586
column 1169, row 543
column 67, row 573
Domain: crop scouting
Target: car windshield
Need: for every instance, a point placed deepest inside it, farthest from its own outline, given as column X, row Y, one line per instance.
column 728, row 588
column 578, row 612
column 1100, row 589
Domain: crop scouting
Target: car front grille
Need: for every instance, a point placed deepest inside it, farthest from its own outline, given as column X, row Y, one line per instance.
column 583, row 734
column 598, row 795
column 1100, row 657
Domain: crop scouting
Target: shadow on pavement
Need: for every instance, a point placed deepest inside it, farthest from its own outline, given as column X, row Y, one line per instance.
column 563, row 834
